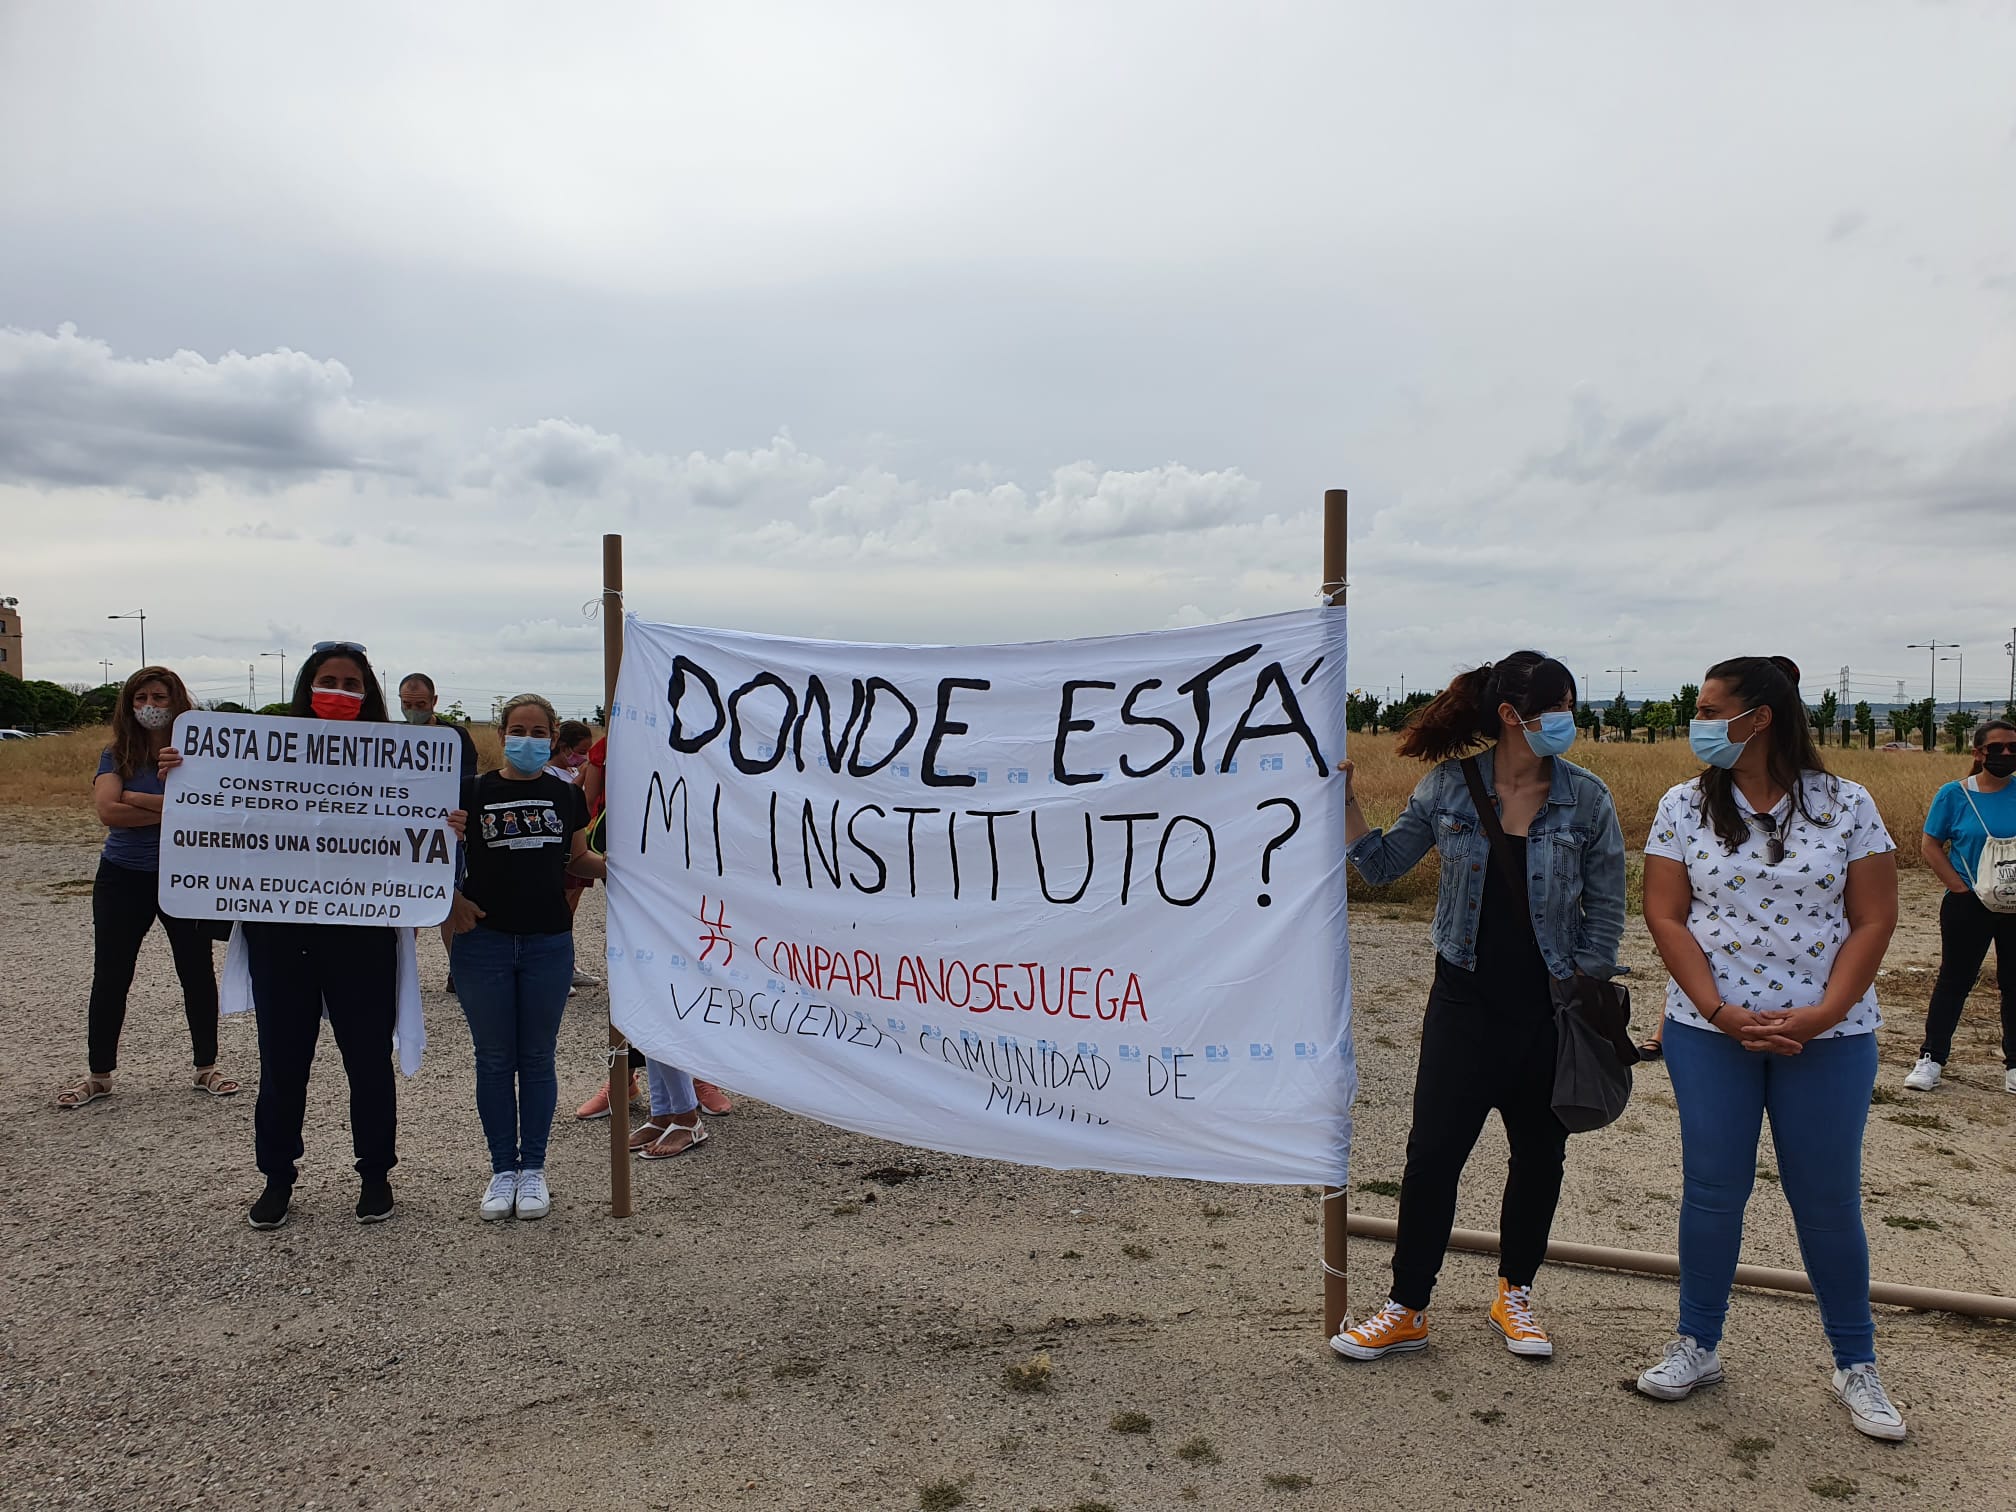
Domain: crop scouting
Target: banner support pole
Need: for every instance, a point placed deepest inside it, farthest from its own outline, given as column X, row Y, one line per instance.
column 619, row 1048
column 1336, row 1200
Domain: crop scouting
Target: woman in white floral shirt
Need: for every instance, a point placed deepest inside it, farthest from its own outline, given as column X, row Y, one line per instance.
column 1771, row 892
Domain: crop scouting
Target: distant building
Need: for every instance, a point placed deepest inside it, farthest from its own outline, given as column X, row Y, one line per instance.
column 10, row 638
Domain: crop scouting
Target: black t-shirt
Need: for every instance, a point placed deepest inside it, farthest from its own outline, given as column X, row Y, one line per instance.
column 520, row 836
column 1510, row 969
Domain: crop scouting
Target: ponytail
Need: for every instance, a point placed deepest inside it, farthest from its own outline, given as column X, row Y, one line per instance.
column 1464, row 715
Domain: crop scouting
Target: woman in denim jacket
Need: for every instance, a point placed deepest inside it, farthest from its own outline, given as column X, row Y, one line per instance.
column 1488, row 1039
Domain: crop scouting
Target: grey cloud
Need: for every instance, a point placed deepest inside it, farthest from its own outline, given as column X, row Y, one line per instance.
column 74, row 413
column 1846, row 224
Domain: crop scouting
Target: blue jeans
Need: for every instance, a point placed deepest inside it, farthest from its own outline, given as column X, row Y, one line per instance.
column 671, row 1089
column 513, row 988
column 1819, row 1103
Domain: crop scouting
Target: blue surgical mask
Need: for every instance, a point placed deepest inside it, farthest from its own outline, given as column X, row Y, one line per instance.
column 1711, row 742
column 1555, row 735
column 527, row 753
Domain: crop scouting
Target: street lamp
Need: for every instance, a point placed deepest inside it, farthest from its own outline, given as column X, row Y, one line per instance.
column 1935, row 647
column 283, row 673
column 1620, row 671
column 140, row 615
column 106, row 663
column 1959, row 692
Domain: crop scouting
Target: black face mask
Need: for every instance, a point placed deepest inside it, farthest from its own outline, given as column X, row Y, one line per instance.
column 1999, row 763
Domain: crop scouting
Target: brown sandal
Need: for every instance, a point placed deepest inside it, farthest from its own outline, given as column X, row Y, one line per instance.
column 215, row 1082
column 89, row 1090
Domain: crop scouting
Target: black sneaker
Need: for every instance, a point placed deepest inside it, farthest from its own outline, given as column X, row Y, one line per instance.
column 374, row 1202
column 270, row 1211
column 451, row 984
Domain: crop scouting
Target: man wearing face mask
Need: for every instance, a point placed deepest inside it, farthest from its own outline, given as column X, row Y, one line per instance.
column 514, row 949
column 419, row 703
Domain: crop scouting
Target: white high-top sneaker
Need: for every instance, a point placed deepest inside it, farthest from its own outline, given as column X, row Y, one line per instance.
column 1868, row 1403
column 1686, row 1366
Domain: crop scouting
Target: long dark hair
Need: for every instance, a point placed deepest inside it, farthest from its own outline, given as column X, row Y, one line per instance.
column 303, row 703
column 129, row 736
column 1981, row 733
column 1465, row 714
column 1770, row 682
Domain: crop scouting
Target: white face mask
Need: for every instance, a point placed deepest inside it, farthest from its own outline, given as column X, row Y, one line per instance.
column 153, row 716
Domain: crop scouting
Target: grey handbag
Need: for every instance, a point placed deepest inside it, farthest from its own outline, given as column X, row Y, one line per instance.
column 1593, row 1053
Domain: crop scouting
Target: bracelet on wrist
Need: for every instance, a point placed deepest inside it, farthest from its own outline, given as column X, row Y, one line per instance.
column 1718, row 1009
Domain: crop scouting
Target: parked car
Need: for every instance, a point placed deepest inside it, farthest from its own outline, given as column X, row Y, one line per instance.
column 15, row 735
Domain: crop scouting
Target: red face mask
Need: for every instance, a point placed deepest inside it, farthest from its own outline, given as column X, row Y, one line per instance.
column 335, row 703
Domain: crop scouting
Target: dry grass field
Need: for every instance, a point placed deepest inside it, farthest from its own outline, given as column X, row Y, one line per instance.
column 1901, row 782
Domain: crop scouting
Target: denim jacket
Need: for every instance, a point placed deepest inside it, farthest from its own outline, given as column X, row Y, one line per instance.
column 1574, row 853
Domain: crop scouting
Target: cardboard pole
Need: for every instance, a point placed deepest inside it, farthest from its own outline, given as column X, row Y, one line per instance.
column 619, row 1049
column 1768, row 1278
column 1336, row 1200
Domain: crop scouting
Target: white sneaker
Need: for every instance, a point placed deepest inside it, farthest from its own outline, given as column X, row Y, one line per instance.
column 1868, row 1403
column 534, row 1200
column 1925, row 1075
column 583, row 979
column 499, row 1196
column 1686, row 1366
column 2009, row 1081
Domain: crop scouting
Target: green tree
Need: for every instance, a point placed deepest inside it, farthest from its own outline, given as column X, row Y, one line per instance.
column 1361, row 712
column 1828, row 712
column 1684, row 702
column 52, row 708
column 17, row 704
column 96, row 706
column 1865, row 721
column 1657, row 716
column 278, row 708
column 1903, row 720
column 226, row 706
column 1958, row 723
column 1928, row 723
column 1619, row 716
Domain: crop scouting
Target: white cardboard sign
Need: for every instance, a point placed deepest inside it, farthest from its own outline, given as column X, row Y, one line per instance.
column 1074, row 904
column 309, row 821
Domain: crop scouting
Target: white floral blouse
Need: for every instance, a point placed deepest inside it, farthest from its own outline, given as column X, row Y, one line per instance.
column 1771, row 931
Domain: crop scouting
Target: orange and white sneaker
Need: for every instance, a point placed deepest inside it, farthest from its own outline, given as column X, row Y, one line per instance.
column 1512, row 1316
column 1391, row 1330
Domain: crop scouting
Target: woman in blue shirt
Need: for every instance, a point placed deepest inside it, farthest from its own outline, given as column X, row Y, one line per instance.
column 1488, row 1040
column 1963, row 817
column 124, row 906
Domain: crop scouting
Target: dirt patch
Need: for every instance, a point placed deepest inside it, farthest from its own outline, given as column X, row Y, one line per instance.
column 739, row 1343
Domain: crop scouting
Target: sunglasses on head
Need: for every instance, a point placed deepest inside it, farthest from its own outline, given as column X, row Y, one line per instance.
column 339, row 646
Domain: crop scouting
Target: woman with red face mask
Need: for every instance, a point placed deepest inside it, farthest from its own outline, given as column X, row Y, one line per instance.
column 299, row 971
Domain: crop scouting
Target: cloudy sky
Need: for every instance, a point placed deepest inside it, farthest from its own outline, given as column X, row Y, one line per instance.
column 1645, row 334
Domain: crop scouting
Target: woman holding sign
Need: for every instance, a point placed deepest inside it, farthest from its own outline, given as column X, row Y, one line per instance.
column 302, row 971
column 124, row 897
column 1501, row 946
column 514, row 949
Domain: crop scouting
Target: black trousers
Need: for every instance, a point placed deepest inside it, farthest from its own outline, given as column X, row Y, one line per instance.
column 296, row 970
column 123, row 909
column 1967, row 927
column 1477, row 1055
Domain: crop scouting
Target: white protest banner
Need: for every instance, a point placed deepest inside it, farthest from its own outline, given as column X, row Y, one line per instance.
column 1078, row 904
column 309, row 821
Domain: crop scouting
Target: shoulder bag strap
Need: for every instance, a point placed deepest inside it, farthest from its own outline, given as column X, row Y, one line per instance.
column 1979, row 817
column 1514, row 876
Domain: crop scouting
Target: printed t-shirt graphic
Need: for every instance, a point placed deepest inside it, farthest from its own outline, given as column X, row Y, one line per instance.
column 518, row 862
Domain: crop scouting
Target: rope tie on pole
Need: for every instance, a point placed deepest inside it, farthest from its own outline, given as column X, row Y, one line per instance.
column 1332, row 593
column 1333, row 1194
column 592, row 610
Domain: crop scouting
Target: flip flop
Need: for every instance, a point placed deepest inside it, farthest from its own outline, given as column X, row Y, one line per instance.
column 1651, row 1050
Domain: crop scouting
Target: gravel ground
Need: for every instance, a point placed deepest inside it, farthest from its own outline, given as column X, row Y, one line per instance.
column 783, row 1325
